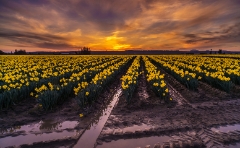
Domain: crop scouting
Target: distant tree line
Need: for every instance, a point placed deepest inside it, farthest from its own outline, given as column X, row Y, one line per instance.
column 1, row 52
column 217, row 52
column 20, row 52
column 84, row 51
column 17, row 52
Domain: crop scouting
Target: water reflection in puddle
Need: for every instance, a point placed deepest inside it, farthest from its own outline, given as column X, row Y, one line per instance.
column 133, row 143
column 227, row 128
column 136, row 127
column 89, row 137
column 31, row 138
column 237, row 145
column 36, row 132
column 47, row 125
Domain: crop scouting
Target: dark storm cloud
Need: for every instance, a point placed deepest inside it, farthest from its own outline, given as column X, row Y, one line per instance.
column 226, row 35
column 60, row 46
column 104, row 14
column 161, row 27
column 29, row 35
column 37, row 40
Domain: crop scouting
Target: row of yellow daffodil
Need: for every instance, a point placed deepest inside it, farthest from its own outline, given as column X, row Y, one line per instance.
column 223, row 69
column 87, row 95
column 156, row 81
column 18, row 71
column 218, row 72
column 130, row 79
column 226, row 68
column 93, row 72
column 213, row 74
column 234, row 56
column 51, row 95
column 183, row 76
column 20, row 75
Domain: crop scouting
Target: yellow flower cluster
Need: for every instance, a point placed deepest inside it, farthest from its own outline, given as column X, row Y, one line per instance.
column 216, row 68
column 41, row 89
column 155, row 78
column 75, row 77
column 218, row 71
column 105, row 71
column 18, row 71
column 81, row 85
column 132, row 74
column 175, row 68
column 97, row 66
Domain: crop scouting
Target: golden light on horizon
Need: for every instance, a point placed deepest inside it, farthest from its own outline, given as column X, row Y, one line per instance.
column 120, row 46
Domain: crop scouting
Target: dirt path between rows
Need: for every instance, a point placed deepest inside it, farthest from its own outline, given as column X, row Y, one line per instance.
column 26, row 119
column 188, row 119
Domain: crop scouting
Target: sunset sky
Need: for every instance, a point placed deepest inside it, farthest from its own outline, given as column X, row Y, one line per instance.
column 54, row 25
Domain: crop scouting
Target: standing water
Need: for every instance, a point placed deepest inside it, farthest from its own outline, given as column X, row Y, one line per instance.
column 138, row 142
column 89, row 137
column 42, row 131
column 227, row 128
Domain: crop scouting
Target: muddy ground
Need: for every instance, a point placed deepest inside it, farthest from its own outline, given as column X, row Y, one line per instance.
column 26, row 113
column 189, row 117
column 29, row 113
column 187, row 120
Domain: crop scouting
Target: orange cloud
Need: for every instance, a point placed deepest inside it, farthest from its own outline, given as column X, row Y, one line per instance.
column 119, row 25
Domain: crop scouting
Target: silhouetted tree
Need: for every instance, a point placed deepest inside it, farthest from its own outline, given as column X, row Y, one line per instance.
column 85, row 51
column 220, row 51
column 1, row 52
column 211, row 51
column 20, row 52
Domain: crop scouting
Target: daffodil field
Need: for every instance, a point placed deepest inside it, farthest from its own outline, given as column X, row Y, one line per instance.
column 88, row 92
column 182, row 75
column 156, row 80
column 67, row 87
column 51, row 80
column 130, row 79
column 220, row 73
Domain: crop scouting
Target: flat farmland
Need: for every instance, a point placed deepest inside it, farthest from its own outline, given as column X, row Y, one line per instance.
column 120, row 101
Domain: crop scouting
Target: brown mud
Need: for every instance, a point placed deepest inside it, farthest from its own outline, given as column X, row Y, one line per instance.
column 27, row 114
column 63, row 113
column 192, row 119
column 187, row 120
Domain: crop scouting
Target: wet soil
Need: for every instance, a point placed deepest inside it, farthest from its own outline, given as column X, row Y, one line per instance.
column 67, row 112
column 91, row 134
column 204, row 93
column 28, row 114
column 187, row 120
column 204, row 118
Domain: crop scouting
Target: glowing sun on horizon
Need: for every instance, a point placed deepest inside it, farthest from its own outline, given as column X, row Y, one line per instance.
column 120, row 46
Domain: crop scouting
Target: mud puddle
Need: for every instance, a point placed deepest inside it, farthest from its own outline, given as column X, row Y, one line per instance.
column 89, row 137
column 31, row 138
column 226, row 128
column 237, row 145
column 42, row 126
column 136, row 127
column 42, row 131
column 177, row 96
column 133, row 143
